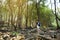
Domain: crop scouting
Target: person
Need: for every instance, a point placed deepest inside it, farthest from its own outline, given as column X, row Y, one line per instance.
column 38, row 27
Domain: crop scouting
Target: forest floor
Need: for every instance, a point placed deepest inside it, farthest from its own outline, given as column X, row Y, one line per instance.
column 31, row 34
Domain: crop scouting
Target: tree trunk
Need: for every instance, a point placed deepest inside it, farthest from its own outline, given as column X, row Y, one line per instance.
column 38, row 12
column 27, row 14
column 56, row 15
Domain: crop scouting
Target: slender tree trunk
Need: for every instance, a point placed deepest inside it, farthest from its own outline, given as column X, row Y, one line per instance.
column 19, row 15
column 56, row 15
column 27, row 14
column 38, row 12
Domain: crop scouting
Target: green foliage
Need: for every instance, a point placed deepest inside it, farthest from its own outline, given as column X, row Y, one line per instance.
column 18, row 10
column 14, row 33
column 45, row 14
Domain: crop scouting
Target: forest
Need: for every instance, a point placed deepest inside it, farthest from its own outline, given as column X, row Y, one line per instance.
column 23, row 15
